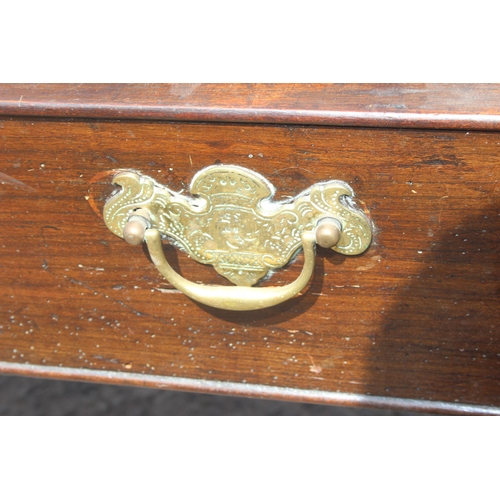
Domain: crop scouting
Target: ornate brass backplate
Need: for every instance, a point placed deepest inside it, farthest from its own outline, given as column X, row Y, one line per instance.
column 232, row 222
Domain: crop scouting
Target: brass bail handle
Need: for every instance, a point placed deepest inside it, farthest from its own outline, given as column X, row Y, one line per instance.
column 231, row 222
column 239, row 298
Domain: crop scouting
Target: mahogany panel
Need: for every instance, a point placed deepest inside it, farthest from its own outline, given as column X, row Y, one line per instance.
column 415, row 318
column 473, row 106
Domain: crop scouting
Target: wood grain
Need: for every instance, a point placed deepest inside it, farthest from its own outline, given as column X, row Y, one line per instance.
column 414, row 318
column 445, row 106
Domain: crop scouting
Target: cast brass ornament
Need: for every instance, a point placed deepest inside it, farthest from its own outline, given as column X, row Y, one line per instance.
column 232, row 224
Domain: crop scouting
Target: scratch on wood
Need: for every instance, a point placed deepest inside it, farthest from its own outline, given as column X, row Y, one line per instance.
column 118, row 92
column 314, row 367
column 45, row 266
column 7, row 179
column 374, row 261
column 87, row 268
column 167, row 290
column 183, row 90
column 441, row 206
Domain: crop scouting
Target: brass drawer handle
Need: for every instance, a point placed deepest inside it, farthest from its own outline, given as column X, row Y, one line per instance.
column 234, row 226
column 240, row 298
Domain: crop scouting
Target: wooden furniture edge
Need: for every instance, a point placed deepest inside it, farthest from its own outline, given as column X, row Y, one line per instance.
column 445, row 106
column 244, row 390
column 473, row 118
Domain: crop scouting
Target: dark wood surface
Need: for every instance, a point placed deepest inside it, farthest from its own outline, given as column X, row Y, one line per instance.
column 412, row 323
column 472, row 107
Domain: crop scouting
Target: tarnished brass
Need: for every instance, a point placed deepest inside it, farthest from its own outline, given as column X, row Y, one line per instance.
column 233, row 225
column 135, row 228
column 328, row 232
column 240, row 298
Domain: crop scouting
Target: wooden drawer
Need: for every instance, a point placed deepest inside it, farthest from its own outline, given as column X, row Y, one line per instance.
column 411, row 323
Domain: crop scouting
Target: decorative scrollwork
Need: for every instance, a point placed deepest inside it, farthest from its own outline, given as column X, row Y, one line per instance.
column 232, row 222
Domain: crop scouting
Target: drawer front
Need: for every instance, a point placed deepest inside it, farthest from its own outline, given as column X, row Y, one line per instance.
column 412, row 322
